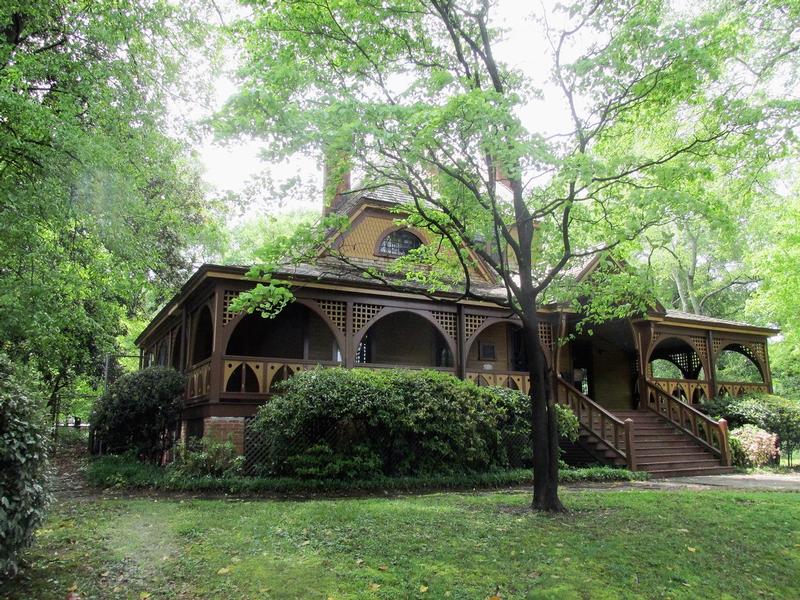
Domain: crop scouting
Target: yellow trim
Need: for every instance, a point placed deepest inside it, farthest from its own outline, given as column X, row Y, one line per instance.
column 763, row 331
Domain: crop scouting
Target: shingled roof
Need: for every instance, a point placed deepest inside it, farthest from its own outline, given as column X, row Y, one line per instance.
column 679, row 315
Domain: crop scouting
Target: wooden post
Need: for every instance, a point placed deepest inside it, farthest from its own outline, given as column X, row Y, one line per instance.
column 461, row 343
column 712, row 367
column 349, row 352
column 182, row 366
column 630, row 451
column 217, row 365
column 725, row 448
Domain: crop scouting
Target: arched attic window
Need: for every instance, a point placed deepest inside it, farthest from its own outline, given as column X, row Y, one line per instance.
column 398, row 243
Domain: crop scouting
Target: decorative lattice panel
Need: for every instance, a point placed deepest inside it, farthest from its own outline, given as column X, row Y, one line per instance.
column 472, row 323
column 700, row 343
column 447, row 321
column 336, row 310
column 363, row 314
column 256, row 448
column 755, row 351
column 716, row 345
column 759, row 351
column 688, row 362
column 228, row 296
column 546, row 334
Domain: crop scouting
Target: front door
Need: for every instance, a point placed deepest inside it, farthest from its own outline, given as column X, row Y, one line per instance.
column 603, row 365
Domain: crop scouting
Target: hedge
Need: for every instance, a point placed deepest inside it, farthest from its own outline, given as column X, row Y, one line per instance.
column 348, row 424
column 138, row 411
column 124, row 471
column 23, row 466
column 774, row 414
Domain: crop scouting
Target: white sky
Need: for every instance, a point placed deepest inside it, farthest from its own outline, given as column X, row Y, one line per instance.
column 231, row 167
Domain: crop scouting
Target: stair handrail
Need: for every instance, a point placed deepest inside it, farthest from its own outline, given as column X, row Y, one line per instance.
column 582, row 405
column 680, row 413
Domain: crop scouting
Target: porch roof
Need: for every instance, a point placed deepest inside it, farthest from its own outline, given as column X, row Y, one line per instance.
column 681, row 317
column 327, row 270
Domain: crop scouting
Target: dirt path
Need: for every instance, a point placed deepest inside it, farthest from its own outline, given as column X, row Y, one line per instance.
column 68, row 481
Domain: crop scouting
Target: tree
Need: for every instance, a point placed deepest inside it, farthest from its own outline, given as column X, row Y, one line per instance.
column 415, row 93
column 99, row 205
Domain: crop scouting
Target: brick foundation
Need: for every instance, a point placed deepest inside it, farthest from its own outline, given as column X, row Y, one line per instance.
column 224, row 429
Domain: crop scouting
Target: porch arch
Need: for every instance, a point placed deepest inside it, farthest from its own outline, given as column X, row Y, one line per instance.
column 202, row 335
column 260, row 352
column 491, row 321
column 311, row 305
column 748, row 370
column 293, row 333
column 682, row 353
column 437, row 340
column 175, row 350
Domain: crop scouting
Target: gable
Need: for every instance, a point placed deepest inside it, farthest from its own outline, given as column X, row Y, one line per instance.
column 370, row 224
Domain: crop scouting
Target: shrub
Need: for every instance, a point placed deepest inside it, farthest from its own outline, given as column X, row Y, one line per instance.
column 125, row 471
column 738, row 454
column 23, row 464
column 759, row 447
column 207, row 457
column 321, row 462
column 780, row 416
column 338, row 423
column 138, row 412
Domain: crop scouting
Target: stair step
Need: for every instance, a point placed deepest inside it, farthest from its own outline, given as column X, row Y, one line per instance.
column 656, row 452
column 662, row 448
column 680, row 440
column 659, row 437
column 669, row 464
column 688, row 472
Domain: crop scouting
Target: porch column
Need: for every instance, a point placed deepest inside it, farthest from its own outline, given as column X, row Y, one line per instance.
column 216, row 366
column 349, row 352
column 461, row 343
column 644, row 335
column 712, row 366
column 184, row 337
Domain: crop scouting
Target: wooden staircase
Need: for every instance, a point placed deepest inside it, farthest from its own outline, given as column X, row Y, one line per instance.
column 667, row 438
column 664, row 450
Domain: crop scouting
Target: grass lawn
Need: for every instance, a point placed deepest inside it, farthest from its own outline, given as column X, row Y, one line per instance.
column 623, row 544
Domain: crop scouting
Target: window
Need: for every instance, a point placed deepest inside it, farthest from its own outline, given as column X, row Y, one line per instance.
column 486, row 351
column 399, row 243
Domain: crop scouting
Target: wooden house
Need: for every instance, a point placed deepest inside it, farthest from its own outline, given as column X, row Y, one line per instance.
column 631, row 413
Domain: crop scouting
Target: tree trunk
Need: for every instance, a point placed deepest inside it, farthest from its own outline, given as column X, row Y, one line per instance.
column 545, row 423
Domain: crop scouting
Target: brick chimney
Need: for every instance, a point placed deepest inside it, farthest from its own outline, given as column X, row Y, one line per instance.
column 335, row 181
column 502, row 178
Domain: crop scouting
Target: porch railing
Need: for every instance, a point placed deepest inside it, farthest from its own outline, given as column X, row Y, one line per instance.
column 710, row 433
column 599, row 423
column 259, row 375
column 517, row 380
column 739, row 388
column 691, row 389
column 198, row 379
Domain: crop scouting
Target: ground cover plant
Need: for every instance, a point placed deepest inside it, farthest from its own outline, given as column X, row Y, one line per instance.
column 124, row 471
column 630, row 544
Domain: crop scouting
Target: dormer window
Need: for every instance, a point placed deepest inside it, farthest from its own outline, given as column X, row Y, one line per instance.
column 399, row 243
